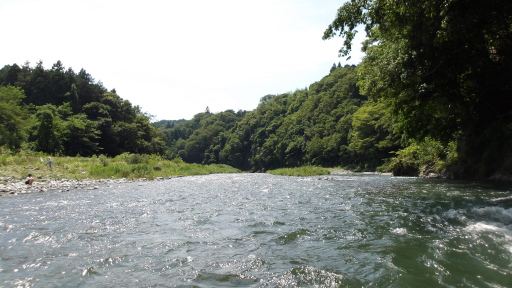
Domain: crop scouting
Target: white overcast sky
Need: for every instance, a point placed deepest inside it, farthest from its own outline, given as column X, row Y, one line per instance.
column 175, row 58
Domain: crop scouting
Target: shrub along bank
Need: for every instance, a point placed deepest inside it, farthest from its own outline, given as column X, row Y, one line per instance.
column 16, row 166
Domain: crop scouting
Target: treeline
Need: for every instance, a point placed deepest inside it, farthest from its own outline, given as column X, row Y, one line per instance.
column 328, row 124
column 61, row 112
column 445, row 70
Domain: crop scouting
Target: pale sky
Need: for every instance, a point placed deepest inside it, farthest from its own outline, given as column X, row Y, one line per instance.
column 175, row 58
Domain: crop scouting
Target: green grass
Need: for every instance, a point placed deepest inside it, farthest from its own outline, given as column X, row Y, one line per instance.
column 17, row 165
column 146, row 170
column 300, row 171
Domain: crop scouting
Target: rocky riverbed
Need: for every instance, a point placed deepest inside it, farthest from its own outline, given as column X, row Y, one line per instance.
column 59, row 185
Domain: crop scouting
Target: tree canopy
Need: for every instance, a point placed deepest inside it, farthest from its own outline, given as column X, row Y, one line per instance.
column 12, row 117
column 58, row 111
column 444, row 67
column 309, row 126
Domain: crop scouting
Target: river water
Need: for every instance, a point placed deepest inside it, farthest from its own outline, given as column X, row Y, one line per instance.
column 260, row 230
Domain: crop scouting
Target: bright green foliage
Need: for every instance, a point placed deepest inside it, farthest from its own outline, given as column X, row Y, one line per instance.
column 300, row 171
column 427, row 156
column 14, row 165
column 12, row 117
column 371, row 139
column 307, row 127
column 129, row 165
column 72, row 114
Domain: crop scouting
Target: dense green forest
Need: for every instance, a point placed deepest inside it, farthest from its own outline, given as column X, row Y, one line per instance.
column 445, row 70
column 328, row 124
column 433, row 95
column 58, row 111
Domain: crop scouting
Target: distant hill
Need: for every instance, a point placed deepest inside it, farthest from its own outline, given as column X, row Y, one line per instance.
column 165, row 124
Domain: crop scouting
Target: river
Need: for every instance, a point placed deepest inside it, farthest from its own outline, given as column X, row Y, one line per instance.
column 260, row 230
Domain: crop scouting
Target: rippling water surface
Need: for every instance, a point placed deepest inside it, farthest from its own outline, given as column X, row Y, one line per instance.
column 259, row 230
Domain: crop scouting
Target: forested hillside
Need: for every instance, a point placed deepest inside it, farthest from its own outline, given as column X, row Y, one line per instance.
column 330, row 124
column 58, row 111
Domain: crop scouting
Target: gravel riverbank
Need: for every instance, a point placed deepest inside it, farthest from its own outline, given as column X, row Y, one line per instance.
column 13, row 187
column 44, row 185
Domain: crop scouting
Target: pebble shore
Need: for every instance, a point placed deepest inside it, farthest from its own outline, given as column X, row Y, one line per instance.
column 42, row 185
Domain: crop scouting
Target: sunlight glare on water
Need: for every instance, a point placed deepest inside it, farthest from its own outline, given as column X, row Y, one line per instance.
column 260, row 230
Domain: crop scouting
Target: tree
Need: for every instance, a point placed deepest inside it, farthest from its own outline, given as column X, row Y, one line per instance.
column 73, row 98
column 119, row 109
column 9, row 75
column 371, row 138
column 444, row 67
column 37, row 87
column 450, row 61
column 47, row 135
column 333, row 68
column 80, row 136
column 58, row 84
column 73, row 114
column 12, row 117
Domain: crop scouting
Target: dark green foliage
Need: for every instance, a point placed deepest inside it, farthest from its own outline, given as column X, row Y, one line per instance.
column 12, row 117
column 72, row 96
column 80, row 136
column 9, row 75
column 46, row 136
column 200, row 139
column 445, row 69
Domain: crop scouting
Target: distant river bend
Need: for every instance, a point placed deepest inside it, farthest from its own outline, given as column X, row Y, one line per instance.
column 260, row 230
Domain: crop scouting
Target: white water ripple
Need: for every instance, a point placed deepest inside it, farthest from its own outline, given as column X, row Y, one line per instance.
column 258, row 230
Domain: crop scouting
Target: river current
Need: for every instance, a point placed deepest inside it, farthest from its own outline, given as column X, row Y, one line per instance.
column 260, row 230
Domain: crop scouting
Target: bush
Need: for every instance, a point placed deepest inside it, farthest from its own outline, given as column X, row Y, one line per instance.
column 103, row 160
column 129, row 158
column 427, row 156
column 16, row 165
column 122, row 171
column 177, row 160
column 300, row 171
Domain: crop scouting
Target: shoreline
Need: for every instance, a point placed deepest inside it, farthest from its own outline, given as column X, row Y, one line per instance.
column 63, row 185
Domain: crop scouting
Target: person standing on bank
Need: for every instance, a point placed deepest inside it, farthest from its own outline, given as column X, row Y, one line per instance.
column 29, row 180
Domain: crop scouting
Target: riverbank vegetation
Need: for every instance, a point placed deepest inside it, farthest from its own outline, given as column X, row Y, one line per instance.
column 432, row 96
column 60, row 112
column 300, row 171
column 329, row 124
column 16, row 166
